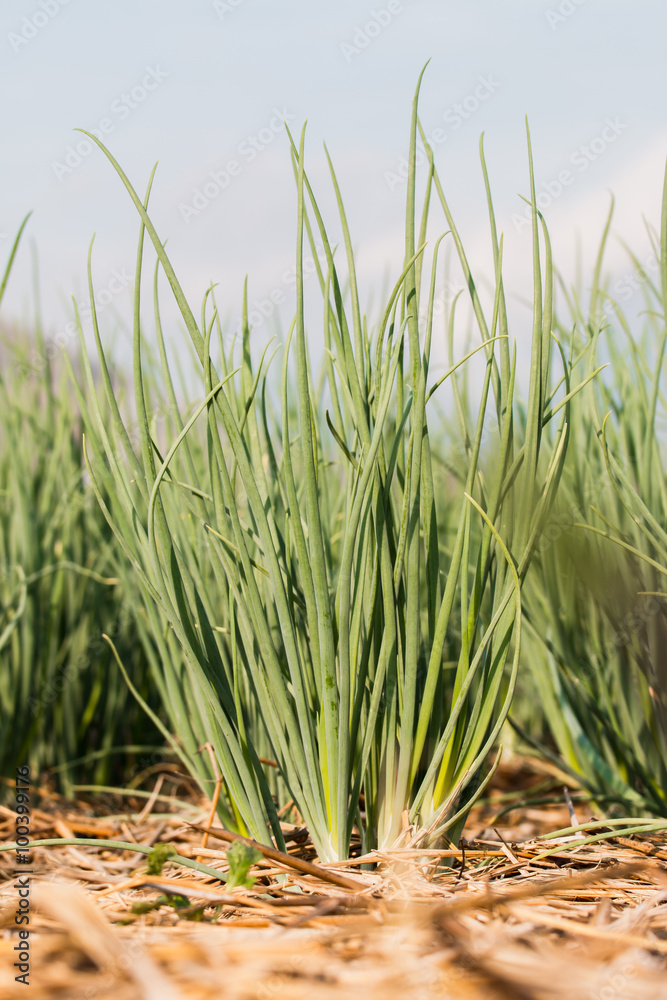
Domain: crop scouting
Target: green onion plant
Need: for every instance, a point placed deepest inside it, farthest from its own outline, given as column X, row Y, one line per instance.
column 61, row 698
column 595, row 605
column 286, row 536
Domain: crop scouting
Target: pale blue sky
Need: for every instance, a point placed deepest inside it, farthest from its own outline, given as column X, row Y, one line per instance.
column 589, row 73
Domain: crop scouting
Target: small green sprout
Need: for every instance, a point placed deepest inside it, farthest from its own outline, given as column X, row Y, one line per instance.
column 158, row 858
column 180, row 903
column 241, row 858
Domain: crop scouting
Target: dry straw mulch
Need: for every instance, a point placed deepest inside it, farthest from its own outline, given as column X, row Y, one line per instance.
column 498, row 922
